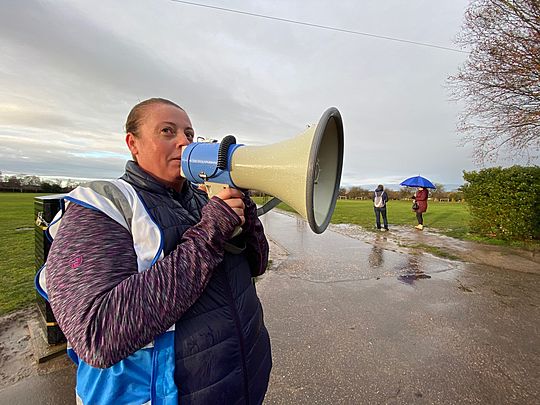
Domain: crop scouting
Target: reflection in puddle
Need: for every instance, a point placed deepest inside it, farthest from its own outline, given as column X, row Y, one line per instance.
column 413, row 271
column 376, row 257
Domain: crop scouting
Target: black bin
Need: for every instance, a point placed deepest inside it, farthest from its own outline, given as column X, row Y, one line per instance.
column 45, row 208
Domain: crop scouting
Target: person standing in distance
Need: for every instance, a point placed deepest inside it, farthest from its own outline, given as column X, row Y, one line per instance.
column 421, row 198
column 153, row 295
column 380, row 198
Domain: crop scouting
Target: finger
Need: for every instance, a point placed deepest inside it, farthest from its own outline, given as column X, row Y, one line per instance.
column 235, row 193
column 236, row 203
column 242, row 219
column 240, row 214
column 238, row 210
column 228, row 193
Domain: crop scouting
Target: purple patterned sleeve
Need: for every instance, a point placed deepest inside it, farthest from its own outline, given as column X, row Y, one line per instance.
column 105, row 307
column 257, row 245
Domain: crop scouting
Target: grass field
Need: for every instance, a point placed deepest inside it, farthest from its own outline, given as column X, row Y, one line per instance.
column 16, row 250
column 447, row 217
column 451, row 218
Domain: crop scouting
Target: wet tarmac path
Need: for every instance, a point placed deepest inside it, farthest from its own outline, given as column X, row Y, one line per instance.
column 353, row 323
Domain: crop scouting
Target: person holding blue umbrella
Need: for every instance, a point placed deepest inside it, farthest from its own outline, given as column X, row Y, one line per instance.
column 420, row 201
column 420, row 198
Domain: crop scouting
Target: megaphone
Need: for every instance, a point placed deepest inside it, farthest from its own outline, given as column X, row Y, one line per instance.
column 304, row 172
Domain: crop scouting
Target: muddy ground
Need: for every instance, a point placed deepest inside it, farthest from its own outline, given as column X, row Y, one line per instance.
column 17, row 359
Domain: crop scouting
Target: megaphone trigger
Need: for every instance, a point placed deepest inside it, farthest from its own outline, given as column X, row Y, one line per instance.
column 213, row 188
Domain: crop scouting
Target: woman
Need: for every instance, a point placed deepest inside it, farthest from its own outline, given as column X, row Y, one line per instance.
column 421, row 200
column 142, row 281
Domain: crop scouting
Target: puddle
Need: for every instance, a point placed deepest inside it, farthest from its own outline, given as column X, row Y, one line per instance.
column 406, row 240
column 413, row 270
column 411, row 278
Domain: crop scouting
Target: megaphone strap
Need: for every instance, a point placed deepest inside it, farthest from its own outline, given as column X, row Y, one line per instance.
column 223, row 152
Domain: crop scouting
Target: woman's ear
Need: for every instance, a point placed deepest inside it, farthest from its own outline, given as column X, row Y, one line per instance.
column 132, row 144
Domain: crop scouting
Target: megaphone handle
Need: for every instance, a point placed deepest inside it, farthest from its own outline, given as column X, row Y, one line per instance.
column 212, row 189
column 274, row 202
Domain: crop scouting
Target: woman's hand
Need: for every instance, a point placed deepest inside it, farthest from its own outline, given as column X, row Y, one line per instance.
column 233, row 198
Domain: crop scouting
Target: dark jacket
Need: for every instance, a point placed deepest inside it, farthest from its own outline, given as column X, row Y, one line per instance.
column 380, row 192
column 421, row 198
column 222, row 346
column 109, row 308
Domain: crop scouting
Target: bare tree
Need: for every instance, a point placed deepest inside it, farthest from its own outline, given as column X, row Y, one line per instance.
column 359, row 192
column 406, row 192
column 439, row 191
column 392, row 194
column 500, row 81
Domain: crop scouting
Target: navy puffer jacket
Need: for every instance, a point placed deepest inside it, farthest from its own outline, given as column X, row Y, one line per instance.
column 222, row 346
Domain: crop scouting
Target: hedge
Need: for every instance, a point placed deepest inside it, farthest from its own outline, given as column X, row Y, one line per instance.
column 504, row 203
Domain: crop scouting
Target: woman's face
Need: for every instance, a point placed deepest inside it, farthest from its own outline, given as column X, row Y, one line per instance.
column 163, row 131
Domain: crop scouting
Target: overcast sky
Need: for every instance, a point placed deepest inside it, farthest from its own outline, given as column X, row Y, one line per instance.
column 70, row 71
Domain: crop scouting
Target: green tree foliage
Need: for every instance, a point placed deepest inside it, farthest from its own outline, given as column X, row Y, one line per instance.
column 504, row 203
column 50, row 188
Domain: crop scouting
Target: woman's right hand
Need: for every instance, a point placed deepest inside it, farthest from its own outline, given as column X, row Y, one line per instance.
column 233, row 198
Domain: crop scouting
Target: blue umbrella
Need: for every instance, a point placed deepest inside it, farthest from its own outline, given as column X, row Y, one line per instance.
column 417, row 181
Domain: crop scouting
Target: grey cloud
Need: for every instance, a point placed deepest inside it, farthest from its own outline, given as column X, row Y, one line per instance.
column 74, row 69
column 33, row 118
column 59, row 163
column 80, row 54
